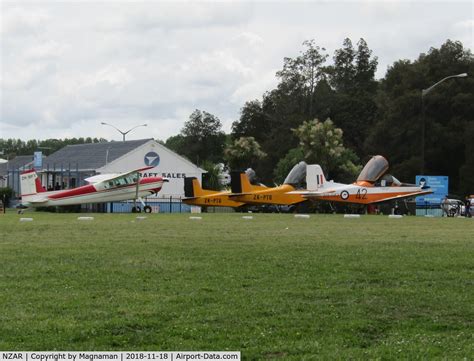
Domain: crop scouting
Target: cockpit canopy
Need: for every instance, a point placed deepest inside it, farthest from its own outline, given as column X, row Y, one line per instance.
column 252, row 176
column 374, row 169
column 297, row 174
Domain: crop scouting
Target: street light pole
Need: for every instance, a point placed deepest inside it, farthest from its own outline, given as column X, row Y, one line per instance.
column 423, row 122
column 423, row 126
column 122, row 132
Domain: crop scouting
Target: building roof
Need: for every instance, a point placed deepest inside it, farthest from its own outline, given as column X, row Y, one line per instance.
column 90, row 156
column 162, row 148
column 20, row 162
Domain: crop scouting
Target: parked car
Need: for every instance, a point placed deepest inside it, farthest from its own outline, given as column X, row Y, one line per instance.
column 456, row 207
column 452, row 207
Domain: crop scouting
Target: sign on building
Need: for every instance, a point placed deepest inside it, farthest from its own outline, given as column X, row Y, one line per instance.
column 38, row 160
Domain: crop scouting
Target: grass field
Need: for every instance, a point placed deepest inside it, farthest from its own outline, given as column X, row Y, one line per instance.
column 273, row 287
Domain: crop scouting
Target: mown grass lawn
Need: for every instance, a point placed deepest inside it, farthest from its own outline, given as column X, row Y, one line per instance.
column 271, row 287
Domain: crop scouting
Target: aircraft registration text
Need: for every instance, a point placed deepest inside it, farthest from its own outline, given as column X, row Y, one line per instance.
column 212, row 200
column 262, row 197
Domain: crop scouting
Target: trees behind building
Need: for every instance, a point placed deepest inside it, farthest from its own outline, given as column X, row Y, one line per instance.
column 373, row 116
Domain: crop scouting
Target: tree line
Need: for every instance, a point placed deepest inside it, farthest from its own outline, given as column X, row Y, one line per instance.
column 10, row 148
column 337, row 114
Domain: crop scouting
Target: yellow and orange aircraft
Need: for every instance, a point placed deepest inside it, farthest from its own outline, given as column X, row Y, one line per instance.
column 197, row 196
column 374, row 185
column 244, row 191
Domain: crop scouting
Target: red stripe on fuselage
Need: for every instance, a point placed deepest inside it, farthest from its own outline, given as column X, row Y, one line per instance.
column 88, row 189
column 150, row 180
column 79, row 191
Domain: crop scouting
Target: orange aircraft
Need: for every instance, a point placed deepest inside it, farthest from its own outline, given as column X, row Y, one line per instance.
column 196, row 196
column 374, row 185
column 244, row 191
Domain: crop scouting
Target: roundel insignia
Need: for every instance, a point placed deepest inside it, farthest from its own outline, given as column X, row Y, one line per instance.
column 344, row 195
column 152, row 159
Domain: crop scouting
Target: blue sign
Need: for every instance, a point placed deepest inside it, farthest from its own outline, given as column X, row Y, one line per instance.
column 438, row 184
column 152, row 159
column 38, row 160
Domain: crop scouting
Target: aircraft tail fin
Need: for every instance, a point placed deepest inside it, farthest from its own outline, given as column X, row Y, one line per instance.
column 315, row 177
column 193, row 189
column 30, row 183
column 240, row 183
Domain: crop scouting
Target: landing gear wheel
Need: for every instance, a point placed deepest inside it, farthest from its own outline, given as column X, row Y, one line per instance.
column 136, row 210
column 147, row 209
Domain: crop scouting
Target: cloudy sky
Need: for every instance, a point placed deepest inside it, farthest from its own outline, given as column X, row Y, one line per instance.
column 68, row 66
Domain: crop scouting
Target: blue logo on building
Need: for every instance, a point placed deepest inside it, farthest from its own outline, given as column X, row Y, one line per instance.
column 152, row 159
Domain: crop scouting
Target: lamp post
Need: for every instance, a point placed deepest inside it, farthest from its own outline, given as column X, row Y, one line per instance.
column 423, row 123
column 122, row 132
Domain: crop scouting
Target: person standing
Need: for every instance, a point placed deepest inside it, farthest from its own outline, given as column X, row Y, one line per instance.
column 445, row 206
column 467, row 208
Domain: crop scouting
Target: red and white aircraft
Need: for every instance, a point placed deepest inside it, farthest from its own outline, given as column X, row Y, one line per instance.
column 374, row 185
column 101, row 188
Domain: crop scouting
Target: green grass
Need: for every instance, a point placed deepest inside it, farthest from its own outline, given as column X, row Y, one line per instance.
column 273, row 287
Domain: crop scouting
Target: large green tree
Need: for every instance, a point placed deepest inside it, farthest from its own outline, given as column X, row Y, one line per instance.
column 293, row 100
column 243, row 153
column 6, row 195
column 253, row 122
column 302, row 74
column 352, row 76
column 448, row 115
column 322, row 143
column 307, row 89
column 201, row 138
column 466, row 172
column 212, row 178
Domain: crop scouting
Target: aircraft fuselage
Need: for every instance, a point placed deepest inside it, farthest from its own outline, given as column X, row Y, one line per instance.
column 94, row 193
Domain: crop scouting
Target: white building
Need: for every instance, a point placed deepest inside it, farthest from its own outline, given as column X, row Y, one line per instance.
column 68, row 167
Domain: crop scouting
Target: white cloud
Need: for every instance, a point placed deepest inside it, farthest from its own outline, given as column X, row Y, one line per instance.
column 65, row 67
column 249, row 39
column 22, row 77
column 174, row 17
column 19, row 21
column 466, row 24
column 45, row 50
column 115, row 76
column 254, row 89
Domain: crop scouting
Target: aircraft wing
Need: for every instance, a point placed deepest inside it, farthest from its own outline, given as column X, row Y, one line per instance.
column 308, row 194
column 100, row 178
column 103, row 177
column 403, row 196
column 242, row 194
column 38, row 201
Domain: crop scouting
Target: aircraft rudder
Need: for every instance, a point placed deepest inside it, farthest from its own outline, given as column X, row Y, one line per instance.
column 315, row 177
column 30, row 183
column 235, row 182
column 192, row 188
